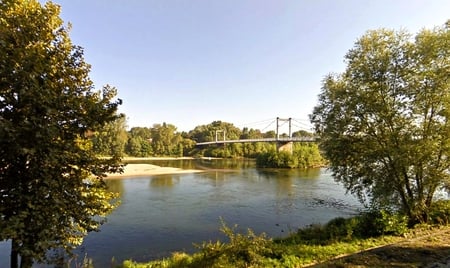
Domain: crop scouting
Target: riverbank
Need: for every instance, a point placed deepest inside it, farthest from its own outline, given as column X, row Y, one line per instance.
column 137, row 170
column 424, row 246
column 129, row 158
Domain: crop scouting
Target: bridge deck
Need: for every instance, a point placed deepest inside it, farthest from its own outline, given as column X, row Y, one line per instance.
column 296, row 139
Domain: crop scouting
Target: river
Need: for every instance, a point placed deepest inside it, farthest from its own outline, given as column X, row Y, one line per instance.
column 166, row 213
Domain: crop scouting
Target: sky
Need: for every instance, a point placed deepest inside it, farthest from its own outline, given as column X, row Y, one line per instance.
column 192, row 62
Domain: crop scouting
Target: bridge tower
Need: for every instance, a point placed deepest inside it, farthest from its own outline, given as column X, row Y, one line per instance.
column 278, row 126
column 284, row 145
column 220, row 131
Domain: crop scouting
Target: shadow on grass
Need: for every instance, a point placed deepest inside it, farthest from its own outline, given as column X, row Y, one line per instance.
column 395, row 256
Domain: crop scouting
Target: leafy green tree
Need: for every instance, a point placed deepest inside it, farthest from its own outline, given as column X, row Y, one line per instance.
column 111, row 138
column 143, row 132
column 166, row 140
column 270, row 134
column 252, row 149
column 307, row 155
column 302, row 133
column 139, row 142
column 208, row 132
column 188, row 146
column 51, row 187
column 218, row 128
column 384, row 123
column 303, row 156
column 138, row 147
column 251, row 133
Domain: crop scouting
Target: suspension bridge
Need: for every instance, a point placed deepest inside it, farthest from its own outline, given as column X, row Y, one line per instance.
column 284, row 141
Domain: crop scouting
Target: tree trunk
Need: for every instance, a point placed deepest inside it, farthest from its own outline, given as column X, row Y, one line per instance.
column 26, row 262
column 14, row 261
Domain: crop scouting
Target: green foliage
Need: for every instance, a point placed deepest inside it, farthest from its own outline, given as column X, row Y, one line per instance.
column 165, row 140
column 205, row 133
column 51, row 185
column 439, row 212
column 139, row 142
column 383, row 123
column 308, row 155
column 309, row 245
column 381, row 222
column 366, row 225
column 111, row 138
column 304, row 156
column 242, row 250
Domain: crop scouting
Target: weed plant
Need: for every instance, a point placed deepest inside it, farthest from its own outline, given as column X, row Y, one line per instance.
column 312, row 244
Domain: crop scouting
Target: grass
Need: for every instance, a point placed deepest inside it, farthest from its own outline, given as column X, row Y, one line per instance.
column 417, row 248
column 373, row 239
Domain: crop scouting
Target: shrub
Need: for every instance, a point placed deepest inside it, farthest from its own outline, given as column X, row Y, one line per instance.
column 367, row 224
column 242, row 250
column 340, row 229
column 374, row 223
column 276, row 160
column 439, row 212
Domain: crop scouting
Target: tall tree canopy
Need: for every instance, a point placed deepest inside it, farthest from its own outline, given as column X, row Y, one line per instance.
column 384, row 122
column 166, row 140
column 50, row 179
column 111, row 138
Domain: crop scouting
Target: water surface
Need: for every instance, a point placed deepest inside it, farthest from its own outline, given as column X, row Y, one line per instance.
column 166, row 213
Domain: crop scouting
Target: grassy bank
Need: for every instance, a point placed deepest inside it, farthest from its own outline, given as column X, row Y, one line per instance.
column 367, row 240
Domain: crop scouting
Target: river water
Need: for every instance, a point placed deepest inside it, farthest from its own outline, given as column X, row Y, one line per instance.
column 166, row 213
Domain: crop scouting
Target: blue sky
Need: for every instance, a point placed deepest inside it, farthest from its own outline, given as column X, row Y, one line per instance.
column 189, row 63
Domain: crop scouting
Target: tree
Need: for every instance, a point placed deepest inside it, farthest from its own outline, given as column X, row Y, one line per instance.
column 166, row 140
column 384, row 123
column 302, row 133
column 111, row 138
column 270, row 134
column 218, row 129
column 51, row 187
column 139, row 142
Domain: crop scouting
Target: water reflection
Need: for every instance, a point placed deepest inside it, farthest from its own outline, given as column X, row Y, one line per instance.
column 215, row 178
column 115, row 186
column 312, row 173
column 164, row 181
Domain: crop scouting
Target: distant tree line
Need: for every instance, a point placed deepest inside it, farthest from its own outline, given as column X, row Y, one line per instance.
column 165, row 140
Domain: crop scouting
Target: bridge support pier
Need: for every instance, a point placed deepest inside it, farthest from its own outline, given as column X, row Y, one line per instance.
column 285, row 146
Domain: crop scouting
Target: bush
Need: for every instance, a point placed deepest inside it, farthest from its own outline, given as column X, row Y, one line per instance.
column 367, row 224
column 375, row 223
column 276, row 160
column 242, row 250
column 340, row 229
column 439, row 212
column 308, row 245
column 304, row 156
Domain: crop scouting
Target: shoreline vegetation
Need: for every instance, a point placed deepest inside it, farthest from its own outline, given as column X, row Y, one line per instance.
column 319, row 247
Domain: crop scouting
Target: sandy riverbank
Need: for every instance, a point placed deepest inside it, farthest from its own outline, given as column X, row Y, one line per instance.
column 129, row 158
column 132, row 170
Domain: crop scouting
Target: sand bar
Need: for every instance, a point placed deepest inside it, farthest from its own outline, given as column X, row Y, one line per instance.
column 135, row 170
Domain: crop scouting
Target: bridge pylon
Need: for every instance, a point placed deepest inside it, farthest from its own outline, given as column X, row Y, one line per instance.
column 278, row 126
column 220, row 131
column 284, row 146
